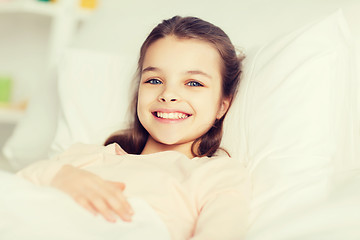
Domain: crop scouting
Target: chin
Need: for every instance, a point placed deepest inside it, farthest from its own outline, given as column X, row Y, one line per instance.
column 168, row 140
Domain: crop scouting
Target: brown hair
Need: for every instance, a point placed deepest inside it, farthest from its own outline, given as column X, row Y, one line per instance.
column 133, row 140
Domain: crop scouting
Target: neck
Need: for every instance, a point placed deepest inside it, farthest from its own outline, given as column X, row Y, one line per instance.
column 152, row 146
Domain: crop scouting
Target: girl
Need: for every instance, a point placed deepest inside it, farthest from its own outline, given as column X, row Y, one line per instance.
column 188, row 73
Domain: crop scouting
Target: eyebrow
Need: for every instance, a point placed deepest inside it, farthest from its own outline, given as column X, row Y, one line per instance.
column 198, row 72
column 150, row 69
column 191, row 72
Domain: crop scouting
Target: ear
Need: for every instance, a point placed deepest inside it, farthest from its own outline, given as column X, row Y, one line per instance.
column 224, row 106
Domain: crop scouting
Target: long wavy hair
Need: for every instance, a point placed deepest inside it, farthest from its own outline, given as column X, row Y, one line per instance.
column 133, row 139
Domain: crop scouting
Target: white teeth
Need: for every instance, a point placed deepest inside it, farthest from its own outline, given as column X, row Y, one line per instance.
column 173, row 115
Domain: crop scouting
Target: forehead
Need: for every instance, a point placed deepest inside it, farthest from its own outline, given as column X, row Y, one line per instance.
column 186, row 54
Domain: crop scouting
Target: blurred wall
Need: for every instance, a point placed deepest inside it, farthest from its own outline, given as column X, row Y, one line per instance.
column 120, row 26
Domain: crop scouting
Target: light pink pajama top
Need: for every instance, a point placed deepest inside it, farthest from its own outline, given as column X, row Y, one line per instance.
column 200, row 198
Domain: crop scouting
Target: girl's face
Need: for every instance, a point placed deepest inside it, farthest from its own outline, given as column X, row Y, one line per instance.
column 179, row 95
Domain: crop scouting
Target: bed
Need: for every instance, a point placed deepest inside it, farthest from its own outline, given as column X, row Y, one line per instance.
column 294, row 124
column 4, row 164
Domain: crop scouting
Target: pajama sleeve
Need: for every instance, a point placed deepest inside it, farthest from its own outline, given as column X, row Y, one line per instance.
column 223, row 204
column 78, row 155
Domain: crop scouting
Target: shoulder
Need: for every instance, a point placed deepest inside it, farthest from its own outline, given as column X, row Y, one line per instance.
column 221, row 160
column 221, row 176
column 86, row 149
column 222, row 171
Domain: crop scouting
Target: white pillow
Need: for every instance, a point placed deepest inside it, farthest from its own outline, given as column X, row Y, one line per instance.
column 93, row 90
column 294, row 116
column 33, row 135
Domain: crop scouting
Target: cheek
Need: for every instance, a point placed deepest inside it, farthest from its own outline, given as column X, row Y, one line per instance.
column 146, row 94
column 141, row 101
column 142, row 97
column 146, row 97
column 208, row 105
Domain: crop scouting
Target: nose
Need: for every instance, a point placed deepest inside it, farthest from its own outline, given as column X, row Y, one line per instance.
column 163, row 99
column 169, row 95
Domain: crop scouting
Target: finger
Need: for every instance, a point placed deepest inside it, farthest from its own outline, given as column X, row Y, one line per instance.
column 108, row 198
column 86, row 204
column 119, row 209
column 119, row 204
column 120, row 196
column 102, row 207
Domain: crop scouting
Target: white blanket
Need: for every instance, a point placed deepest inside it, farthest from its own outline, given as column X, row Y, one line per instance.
column 333, row 218
column 31, row 212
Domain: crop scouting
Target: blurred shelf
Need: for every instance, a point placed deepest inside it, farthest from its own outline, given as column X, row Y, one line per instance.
column 11, row 115
column 64, row 17
column 24, row 6
column 50, row 9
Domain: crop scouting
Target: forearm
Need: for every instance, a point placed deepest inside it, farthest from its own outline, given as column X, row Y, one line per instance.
column 41, row 172
column 79, row 156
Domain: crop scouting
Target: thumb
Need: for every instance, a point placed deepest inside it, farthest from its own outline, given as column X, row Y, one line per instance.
column 119, row 185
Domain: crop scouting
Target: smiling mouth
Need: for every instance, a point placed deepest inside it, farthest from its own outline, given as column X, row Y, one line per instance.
column 171, row 115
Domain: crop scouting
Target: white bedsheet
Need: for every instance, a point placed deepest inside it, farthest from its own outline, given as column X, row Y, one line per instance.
column 334, row 218
column 31, row 212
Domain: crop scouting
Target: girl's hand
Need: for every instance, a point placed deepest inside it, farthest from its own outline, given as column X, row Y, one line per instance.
column 94, row 193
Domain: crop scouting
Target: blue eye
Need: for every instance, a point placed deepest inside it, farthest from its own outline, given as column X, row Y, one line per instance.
column 194, row 84
column 154, row 81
